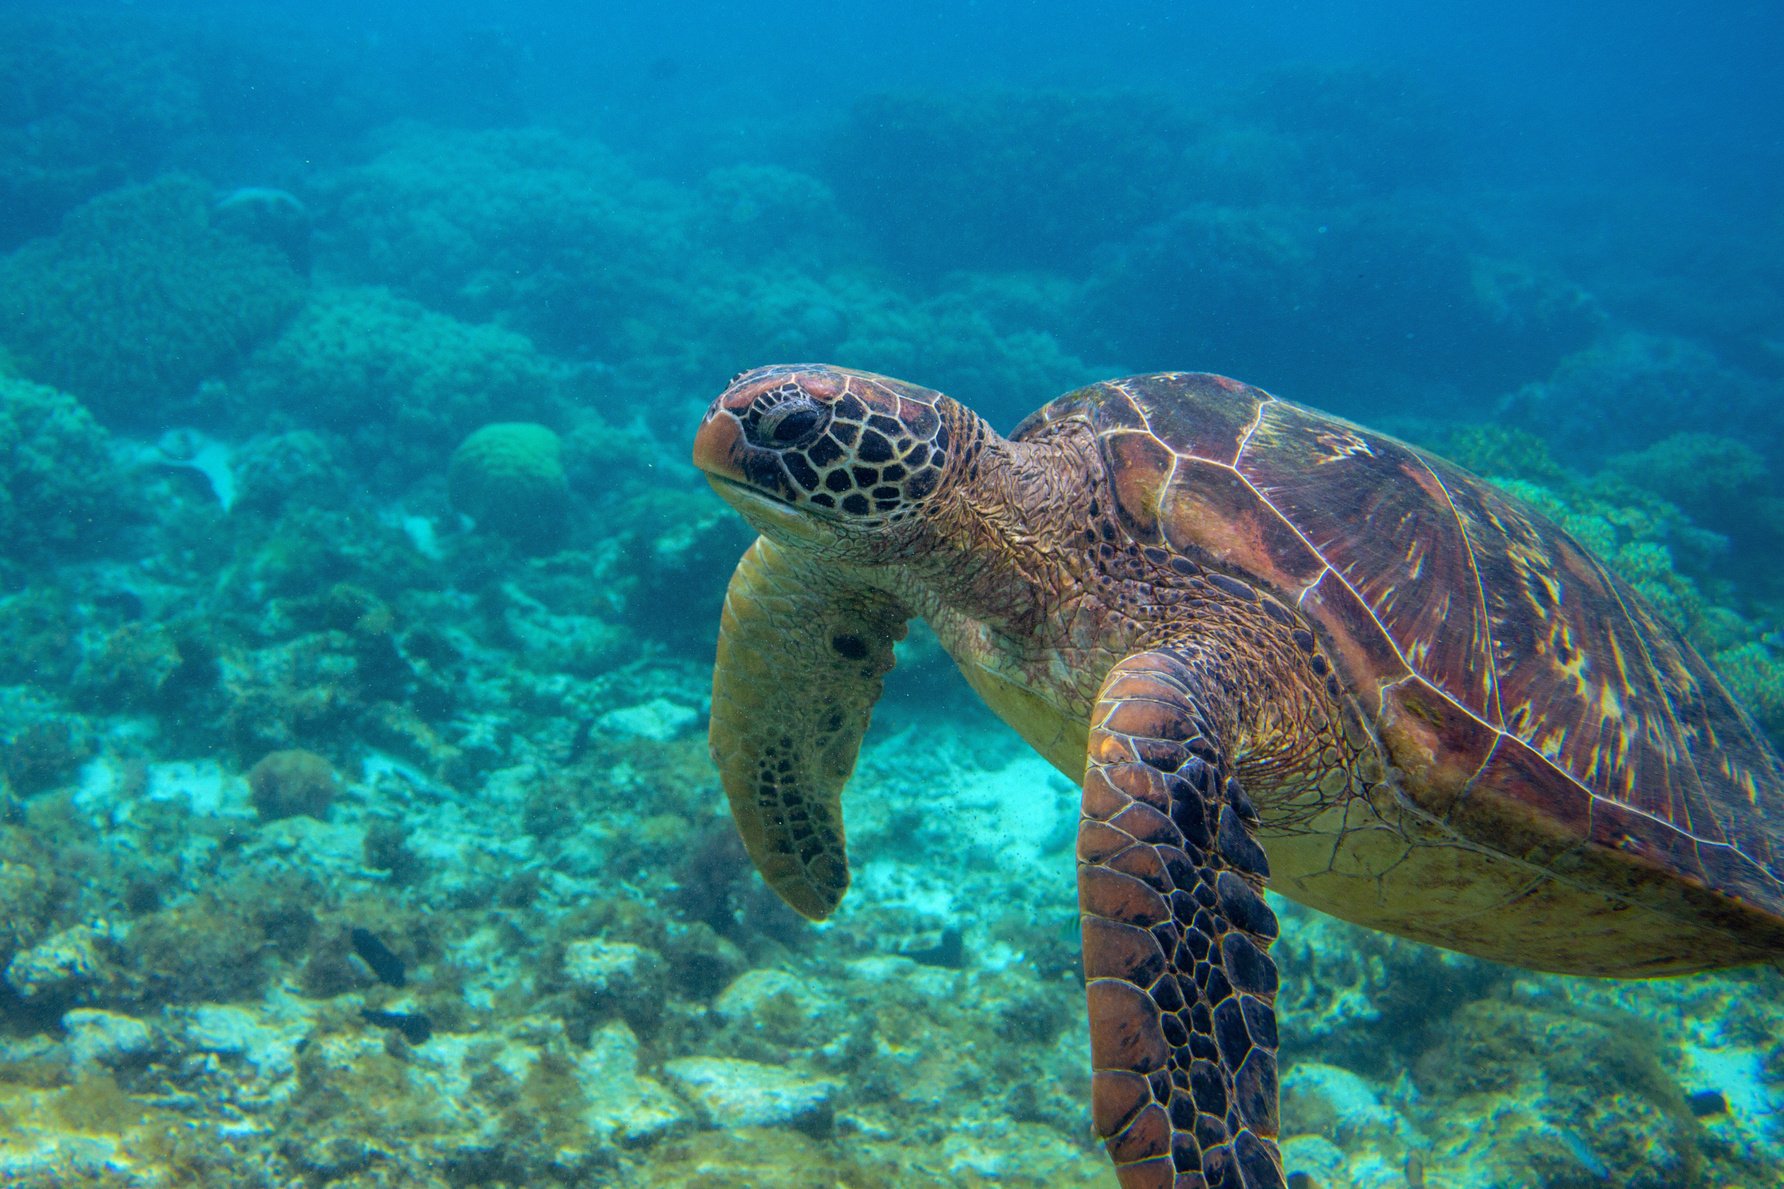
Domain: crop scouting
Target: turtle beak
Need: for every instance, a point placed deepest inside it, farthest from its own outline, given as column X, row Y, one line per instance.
column 717, row 446
column 719, row 449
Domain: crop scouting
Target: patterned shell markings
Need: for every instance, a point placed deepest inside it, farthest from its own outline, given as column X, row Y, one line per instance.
column 1460, row 620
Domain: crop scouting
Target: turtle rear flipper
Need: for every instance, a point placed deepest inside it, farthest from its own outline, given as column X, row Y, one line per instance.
column 801, row 656
column 1181, row 987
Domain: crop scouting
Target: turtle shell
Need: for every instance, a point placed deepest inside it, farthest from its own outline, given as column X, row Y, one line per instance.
column 1531, row 700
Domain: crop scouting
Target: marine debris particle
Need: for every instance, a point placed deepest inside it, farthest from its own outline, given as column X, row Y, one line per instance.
column 385, row 965
column 414, row 1027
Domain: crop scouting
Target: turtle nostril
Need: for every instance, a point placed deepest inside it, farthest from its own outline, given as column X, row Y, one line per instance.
column 791, row 424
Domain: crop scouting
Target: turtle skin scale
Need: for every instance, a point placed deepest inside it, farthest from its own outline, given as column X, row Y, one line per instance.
column 1275, row 648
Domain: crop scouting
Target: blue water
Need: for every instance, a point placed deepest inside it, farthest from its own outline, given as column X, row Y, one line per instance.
column 357, row 821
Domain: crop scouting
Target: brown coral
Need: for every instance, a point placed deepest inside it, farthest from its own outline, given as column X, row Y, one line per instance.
column 292, row 782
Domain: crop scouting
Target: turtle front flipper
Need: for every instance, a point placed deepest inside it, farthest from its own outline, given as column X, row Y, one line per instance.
column 1176, row 936
column 801, row 656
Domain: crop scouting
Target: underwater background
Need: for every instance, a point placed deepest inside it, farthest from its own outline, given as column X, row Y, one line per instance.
column 357, row 598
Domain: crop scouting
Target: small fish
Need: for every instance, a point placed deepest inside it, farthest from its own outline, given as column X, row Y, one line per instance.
column 385, row 965
column 414, row 1027
column 949, row 952
column 579, row 744
column 1589, row 1160
column 1415, row 1171
column 1706, row 1103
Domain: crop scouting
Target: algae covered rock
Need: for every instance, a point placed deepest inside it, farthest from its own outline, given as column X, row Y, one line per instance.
column 616, row 976
column 63, row 968
column 1340, row 1104
column 730, row 1092
column 658, row 720
column 104, row 1039
column 42, row 756
column 1341, row 1128
column 1547, row 1098
column 623, row 1104
column 509, row 478
column 25, row 887
column 138, row 298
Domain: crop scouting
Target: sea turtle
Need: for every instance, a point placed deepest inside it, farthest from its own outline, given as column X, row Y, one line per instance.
column 1274, row 647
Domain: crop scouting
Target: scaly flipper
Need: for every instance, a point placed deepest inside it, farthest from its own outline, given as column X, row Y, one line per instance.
column 1176, row 936
column 800, row 661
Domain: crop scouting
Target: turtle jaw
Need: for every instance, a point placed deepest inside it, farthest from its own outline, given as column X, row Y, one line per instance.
column 724, row 454
column 767, row 514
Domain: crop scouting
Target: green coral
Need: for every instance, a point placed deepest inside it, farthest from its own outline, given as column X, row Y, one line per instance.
column 138, row 298
column 1605, row 396
column 1700, row 472
column 1754, row 673
column 407, row 382
column 58, row 485
column 1635, row 537
column 555, row 232
column 770, row 210
column 89, row 98
column 1503, row 451
column 509, row 478
column 981, row 341
column 1725, row 486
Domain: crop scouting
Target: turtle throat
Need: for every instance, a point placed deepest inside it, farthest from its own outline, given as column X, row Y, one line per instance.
column 999, row 541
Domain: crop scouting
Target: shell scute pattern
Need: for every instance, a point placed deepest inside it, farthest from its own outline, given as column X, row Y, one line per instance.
column 1537, row 688
column 1374, row 512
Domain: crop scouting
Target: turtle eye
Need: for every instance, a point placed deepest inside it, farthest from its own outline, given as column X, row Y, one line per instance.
column 792, row 423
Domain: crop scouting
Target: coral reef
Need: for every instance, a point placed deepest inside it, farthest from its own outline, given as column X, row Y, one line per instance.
column 403, row 384
column 274, row 217
column 1626, row 388
column 88, row 104
column 59, row 487
column 556, row 234
column 96, row 97
column 1530, row 1087
column 1009, row 178
column 138, row 298
column 1294, row 298
column 343, row 845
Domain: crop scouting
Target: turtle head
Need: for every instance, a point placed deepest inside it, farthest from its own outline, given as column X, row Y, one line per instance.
column 826, row 456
